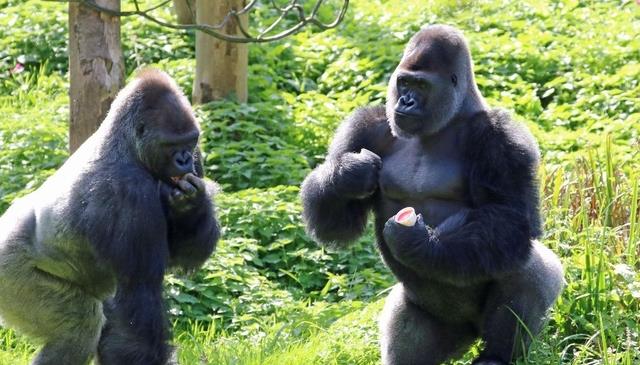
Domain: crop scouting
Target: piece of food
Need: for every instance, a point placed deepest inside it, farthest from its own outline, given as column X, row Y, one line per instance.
column 406, row 217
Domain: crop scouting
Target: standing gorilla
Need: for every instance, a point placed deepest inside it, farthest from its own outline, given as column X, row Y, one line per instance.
column 471, row 266
column 126, row 206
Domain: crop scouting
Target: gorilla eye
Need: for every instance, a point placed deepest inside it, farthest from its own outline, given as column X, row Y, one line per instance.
column 454, row 80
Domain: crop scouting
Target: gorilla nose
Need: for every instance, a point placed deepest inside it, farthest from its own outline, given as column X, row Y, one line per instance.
column 407, row 105
column 406, row 102
column 183, row 161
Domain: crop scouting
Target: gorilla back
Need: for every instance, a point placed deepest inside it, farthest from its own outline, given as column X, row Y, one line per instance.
column 471, row 266
column 126, row 206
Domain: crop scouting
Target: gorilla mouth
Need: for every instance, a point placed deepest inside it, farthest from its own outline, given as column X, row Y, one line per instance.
column 407, row 115
column 175, row 179
column 409, row 123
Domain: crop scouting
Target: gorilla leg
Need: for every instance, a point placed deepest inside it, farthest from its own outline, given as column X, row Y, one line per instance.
column 136, row 331
column 61, row 315
column 64, row 351
column 517, row 307
column 410, row 336
column 116, row 347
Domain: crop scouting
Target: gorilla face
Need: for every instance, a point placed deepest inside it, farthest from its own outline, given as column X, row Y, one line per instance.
column 166, row 137
column 425, row 91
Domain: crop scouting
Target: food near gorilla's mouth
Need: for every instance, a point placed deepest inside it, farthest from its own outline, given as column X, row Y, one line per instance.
column 406, row 217
column 175, row 179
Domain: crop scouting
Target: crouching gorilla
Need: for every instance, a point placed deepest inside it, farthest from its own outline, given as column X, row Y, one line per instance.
column 125, row 207
column 471, row 266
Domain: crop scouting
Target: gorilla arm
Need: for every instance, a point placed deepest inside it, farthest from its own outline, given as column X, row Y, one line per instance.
column 337, row 195
column 492, row 237
column 135, row 246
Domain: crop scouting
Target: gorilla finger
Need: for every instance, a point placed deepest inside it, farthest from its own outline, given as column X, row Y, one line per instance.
column 375, row 159
column 186, row 187
column 393, row 232
column 195, row 181
column 421, row 227
column 391, row 224
column 174, row 196
column 400, row 232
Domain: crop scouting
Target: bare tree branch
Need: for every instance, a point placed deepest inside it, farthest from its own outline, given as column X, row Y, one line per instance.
column 293, row 8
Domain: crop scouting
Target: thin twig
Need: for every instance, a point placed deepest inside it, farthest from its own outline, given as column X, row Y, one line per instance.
column 215, row 30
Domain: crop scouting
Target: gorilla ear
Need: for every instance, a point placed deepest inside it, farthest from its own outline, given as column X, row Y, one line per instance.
column 454, row 80
column 140, row 128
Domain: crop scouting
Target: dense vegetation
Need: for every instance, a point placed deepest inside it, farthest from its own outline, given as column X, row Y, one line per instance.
column 568, row 69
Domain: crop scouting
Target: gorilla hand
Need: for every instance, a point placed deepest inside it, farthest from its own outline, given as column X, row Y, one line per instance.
column 404, row 242
column 187, row 194
column 357, row 174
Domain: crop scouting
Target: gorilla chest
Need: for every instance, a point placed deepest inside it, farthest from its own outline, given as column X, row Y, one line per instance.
column 415, row 175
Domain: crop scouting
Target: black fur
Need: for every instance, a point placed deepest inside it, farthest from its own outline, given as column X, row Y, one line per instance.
column 332, row 218
column 472, row 259
column 502, row 215
column 107, row 227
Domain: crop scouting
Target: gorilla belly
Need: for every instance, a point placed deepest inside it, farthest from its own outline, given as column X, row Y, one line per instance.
column 428, row 177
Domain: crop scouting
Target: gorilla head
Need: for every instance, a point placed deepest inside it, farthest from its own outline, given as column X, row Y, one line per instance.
column 165, row 131
column 429, row 86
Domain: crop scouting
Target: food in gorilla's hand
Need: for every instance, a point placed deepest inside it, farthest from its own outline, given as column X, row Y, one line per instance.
column 406, row 217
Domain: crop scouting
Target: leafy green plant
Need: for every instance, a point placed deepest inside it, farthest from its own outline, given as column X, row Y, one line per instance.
column 247, row 145
column 33, row 133
column 266, row 261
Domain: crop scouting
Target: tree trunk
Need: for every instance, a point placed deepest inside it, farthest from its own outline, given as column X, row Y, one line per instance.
column 221, row 67
column 185, row 11
column 96, row 67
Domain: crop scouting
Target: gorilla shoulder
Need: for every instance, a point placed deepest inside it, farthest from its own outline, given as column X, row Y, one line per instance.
column 498, row 137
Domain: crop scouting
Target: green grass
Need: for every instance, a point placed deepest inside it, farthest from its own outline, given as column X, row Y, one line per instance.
column 568, row 69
